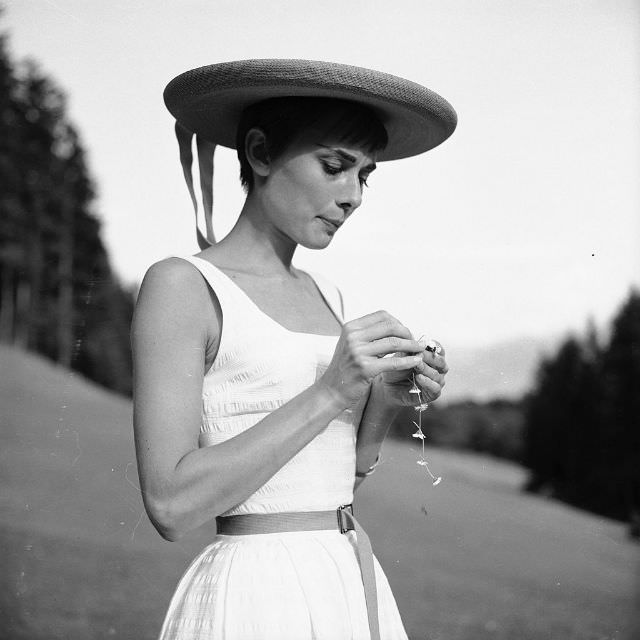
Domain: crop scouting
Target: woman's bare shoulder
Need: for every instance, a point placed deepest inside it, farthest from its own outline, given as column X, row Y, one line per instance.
column 172, row 272
column 174, row 289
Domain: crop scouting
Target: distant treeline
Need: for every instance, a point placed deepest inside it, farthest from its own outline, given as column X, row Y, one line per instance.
column 58, row 295
column 578, row 429
column 495, row 427
column 582, row 421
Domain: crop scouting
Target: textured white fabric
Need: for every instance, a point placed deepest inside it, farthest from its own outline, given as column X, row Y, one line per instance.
column 297, row 585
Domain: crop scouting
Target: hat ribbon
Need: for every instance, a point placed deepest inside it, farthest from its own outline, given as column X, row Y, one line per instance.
column 206, row 150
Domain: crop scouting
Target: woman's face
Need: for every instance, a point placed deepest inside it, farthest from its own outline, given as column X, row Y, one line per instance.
column 314, row 186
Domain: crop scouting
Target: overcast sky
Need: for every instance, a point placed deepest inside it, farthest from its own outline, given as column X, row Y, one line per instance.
column 525, row 223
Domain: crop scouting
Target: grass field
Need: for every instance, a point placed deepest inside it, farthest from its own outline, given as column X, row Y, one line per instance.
column 471, row 559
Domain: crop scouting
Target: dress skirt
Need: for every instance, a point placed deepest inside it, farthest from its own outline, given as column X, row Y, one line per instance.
column 302, row 585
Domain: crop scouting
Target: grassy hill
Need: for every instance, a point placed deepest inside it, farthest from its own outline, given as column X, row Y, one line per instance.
column 470, row 559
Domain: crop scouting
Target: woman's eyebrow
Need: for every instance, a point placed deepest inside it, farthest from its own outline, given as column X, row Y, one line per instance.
column 347, row 156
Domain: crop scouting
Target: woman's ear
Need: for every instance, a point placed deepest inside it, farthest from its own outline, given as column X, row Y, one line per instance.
column 255, row 148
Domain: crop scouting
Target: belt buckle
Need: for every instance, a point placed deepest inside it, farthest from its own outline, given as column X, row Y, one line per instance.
column 342, row 523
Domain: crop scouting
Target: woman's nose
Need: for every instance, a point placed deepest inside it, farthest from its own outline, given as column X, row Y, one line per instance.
column 351, row 198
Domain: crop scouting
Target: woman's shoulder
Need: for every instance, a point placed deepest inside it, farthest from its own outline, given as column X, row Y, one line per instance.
column 173, row 271
column 176, row 276
column 174, row 287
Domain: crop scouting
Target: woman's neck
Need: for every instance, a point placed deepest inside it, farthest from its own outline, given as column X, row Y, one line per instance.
column 255, row 246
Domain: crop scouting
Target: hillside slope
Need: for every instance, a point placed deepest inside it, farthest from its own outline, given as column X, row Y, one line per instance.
column 470, row 559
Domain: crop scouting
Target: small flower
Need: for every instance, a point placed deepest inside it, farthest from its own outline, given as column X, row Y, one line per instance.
column 419, row 434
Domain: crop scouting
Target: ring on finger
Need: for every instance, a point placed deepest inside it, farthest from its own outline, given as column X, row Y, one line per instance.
column 434, row 346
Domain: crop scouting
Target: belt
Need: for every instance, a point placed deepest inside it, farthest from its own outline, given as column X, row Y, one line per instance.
column 341, row 519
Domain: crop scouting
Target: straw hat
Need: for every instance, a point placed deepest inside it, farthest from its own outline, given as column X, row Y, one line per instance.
column 210, row 100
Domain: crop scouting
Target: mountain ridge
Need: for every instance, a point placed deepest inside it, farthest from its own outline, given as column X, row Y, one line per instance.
column 500, row 370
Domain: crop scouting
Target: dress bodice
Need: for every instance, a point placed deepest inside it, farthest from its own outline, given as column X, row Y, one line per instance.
column 261, row 365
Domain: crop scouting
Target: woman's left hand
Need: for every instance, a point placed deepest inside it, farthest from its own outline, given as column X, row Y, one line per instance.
column 429, row 377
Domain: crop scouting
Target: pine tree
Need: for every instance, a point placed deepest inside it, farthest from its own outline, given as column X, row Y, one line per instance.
column 58, row 295
column 552, row 423
column 621, row 423
column 11, row 248
column 582, row 439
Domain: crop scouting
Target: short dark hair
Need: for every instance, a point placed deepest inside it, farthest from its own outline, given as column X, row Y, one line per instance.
column 283, row 119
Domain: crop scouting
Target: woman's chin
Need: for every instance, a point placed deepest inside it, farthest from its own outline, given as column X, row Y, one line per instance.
column 317, row 242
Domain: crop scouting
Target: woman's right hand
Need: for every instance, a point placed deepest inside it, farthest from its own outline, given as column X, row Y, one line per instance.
column 359, row 355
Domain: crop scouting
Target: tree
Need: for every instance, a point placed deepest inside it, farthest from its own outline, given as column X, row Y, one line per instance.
column 621, row 412
column 552, row 418
column 582, row 439
column 58, row 295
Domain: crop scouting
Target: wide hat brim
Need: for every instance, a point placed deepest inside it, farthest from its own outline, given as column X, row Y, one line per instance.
column 209, row 100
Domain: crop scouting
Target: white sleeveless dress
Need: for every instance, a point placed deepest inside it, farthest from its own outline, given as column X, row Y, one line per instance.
column 299, row 585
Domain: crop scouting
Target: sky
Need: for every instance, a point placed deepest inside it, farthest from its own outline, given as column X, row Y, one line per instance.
column 525, row 223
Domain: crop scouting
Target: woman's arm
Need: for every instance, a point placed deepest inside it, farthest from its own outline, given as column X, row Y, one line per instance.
column 374, row 425
column 174, row 325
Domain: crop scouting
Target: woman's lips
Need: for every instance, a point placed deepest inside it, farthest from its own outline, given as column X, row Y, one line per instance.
column 334, row 225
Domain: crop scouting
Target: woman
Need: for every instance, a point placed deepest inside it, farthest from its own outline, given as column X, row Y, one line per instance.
column 255, row 403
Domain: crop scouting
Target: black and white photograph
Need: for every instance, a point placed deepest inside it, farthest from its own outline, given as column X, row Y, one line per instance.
column 320, row 321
